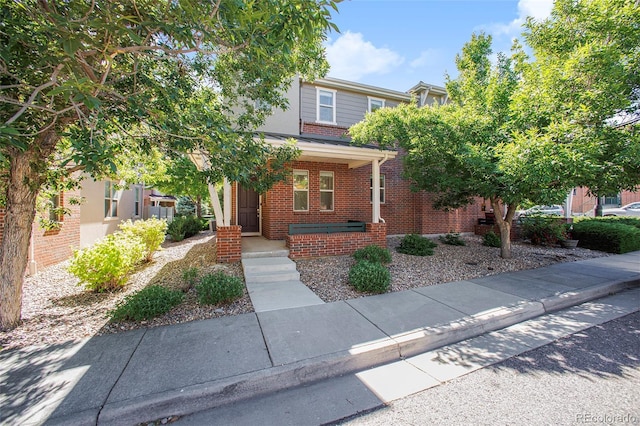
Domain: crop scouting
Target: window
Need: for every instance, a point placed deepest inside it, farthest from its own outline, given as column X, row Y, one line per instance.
column 326, row 191
column 110, row 200
column 301, row 190
column 375, row 103
column 326, row 106
column 137, row 201
column 382, row 189
column 613, row 199
column 54, row 206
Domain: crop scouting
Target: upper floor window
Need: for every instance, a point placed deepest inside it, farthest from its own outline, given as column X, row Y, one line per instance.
column 110, row 200
column 301, row 190
column 326, row 191
column 382, row 189
column 375, row 103
column 326, row 105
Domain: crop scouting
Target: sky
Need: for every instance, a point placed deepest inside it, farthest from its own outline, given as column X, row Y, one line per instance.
column 395, row 44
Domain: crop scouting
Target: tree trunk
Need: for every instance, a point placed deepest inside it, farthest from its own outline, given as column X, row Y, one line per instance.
column 27, row 170
column 199, row 206
column 504, row 225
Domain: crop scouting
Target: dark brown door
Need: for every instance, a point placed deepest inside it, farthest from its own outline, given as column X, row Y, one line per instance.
column 248, row 205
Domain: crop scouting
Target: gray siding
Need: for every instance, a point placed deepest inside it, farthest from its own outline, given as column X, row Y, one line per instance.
column 350, row 106
column 286, row 122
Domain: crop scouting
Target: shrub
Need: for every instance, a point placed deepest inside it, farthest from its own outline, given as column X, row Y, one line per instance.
column 219, row 288
column 146, row 304
column 453, row 239
column 182, row 227
column 491, row 239
column 373, row 253
column 631, row 221
column 150, row 231
column 607, row 236
column 543, row 230
column 190, row 276
column 369, row 277
column 106, row 265
column 416, row 245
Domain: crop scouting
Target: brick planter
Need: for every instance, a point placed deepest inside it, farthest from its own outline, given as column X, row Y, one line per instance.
column 228, row 244
column 303, row 246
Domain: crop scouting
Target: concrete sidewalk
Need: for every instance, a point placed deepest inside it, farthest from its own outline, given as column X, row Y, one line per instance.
column 149, row 374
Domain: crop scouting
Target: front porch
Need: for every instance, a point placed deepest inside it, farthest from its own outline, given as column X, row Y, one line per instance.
column 232, row 246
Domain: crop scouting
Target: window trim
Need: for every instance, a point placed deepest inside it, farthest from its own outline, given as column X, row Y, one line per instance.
column 333, row 106
column 300, row 171
column 370, row 99
column 113, row 198
column 383, row 189
column 332, row 190
column 137, row 200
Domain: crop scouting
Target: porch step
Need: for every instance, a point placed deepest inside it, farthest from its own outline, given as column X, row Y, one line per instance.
column 274, row 283
column 266, row 254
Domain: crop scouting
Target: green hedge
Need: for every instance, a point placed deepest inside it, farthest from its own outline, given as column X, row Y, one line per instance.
column 416, row 245
column 607, row 235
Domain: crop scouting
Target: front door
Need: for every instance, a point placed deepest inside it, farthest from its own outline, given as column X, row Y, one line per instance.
column 248, row 210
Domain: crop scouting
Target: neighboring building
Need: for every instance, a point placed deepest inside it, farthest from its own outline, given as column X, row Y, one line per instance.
column 159, row 205
column 102, row 208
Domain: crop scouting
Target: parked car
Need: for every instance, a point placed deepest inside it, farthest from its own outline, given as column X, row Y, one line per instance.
column 555, row 209
column 632, row 209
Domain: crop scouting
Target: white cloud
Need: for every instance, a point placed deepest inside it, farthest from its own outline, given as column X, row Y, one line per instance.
column 351, row 57
column 537, row 9
column 426, row 58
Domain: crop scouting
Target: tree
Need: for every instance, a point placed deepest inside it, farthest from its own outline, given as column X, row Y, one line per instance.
column 456, row 150
column 528, row 130
column 80, row 81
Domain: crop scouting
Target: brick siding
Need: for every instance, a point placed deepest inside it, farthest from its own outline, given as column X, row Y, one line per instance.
column 303, row 246
column 228, row 244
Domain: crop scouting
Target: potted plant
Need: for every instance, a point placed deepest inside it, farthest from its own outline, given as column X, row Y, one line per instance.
column 567, row 240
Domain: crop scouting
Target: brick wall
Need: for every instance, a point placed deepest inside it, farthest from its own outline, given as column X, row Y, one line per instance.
column 351, row 200
column 228, row 244
column 323, row 129
column 54, row 246
column 303, row 246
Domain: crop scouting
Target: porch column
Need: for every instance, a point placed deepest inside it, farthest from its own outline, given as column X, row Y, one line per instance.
column 375, row 177
column 226, row 201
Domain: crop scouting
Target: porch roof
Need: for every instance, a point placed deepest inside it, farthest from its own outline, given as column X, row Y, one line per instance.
column 331, row 150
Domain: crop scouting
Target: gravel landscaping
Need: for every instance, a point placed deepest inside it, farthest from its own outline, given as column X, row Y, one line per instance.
column 55, row 308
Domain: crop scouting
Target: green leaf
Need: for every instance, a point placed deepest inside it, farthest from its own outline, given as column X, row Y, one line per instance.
column 70, row 46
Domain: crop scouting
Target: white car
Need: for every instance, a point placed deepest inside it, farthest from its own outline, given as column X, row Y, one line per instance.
column 554, row 209
column 632, row 209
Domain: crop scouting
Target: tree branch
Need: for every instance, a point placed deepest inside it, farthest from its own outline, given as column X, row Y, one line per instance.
column 53, row 80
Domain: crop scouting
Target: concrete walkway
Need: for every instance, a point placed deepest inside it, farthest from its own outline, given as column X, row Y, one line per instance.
column 148, row 374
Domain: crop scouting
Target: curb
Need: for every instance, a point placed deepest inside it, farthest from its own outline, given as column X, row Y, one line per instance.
column 180, row 402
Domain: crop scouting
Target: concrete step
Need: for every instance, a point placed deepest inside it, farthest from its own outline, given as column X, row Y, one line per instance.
column 267, row 265
column 270, row 277
column 266, row 254
column 271, row 296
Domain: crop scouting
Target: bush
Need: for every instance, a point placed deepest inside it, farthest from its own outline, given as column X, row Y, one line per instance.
column 150, row 231
column 219, row 288
column 190, row 276
column 182, row 227
column 631, row 221
column 543, row 230
column 416, row 245
column 369, row 277
column 491, row 239
column 607, row 236
column 106, row 265
column 146, row 304
column 453, row 239
column 373, row 253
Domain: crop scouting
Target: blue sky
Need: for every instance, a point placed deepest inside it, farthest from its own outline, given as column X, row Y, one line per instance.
column 397, row 43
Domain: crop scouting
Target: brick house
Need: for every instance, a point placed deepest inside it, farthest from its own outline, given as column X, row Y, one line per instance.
column 334, row 182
